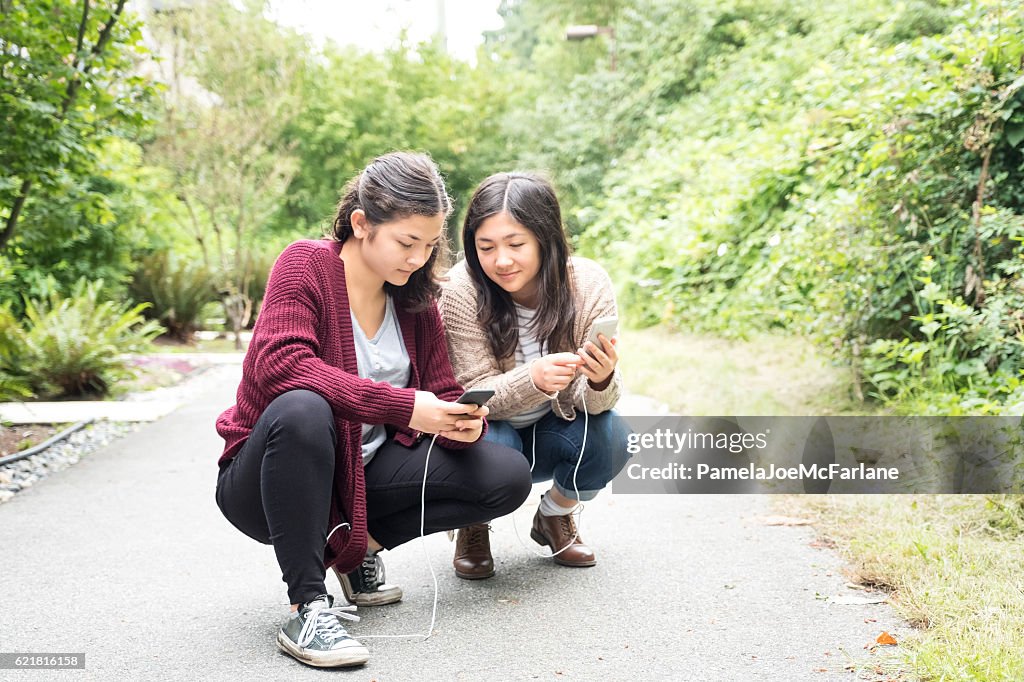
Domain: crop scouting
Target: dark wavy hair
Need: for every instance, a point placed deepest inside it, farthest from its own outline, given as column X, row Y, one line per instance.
column 395, row 186
column 530, row 200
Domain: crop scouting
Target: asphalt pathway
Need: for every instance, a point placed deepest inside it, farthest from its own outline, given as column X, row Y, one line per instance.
column 125, row 557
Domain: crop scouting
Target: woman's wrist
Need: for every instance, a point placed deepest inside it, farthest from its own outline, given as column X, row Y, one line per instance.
column 602, row 385
column 533, row 382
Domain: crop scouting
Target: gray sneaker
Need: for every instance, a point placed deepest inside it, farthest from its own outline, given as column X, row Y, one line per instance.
column 314, row 635
column 367, row 586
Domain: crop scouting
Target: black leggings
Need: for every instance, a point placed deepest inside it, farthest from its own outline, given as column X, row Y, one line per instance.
column 277, row 489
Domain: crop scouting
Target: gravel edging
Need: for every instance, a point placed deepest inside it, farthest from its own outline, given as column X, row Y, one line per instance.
column 25, row 473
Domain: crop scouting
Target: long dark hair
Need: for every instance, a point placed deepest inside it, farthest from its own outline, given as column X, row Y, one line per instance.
column 395, row 186
column 529, row 200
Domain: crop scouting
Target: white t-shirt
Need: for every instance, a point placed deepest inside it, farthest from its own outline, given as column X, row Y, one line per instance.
column 528, row 349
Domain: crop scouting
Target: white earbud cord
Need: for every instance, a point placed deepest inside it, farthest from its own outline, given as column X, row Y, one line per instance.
column 579, row 505
column 423, row 507
column 426, row 556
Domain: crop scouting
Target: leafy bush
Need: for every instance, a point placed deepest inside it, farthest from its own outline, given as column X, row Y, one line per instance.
column 88, row 226
column 74, row 346
column 254, row 273
column 816, row 162
column 966, row 361
column 12, row 386
column 176, row 291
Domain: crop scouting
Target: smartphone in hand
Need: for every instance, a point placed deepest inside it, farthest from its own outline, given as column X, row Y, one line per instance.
column 476, row 396
column 609, row 326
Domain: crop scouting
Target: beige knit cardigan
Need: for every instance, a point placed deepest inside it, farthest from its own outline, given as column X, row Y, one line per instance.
column 476, row 367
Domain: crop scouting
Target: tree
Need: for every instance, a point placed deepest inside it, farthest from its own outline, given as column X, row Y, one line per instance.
column 572, row 126
column 67, row 79
column 360, row 105
column 233, row 84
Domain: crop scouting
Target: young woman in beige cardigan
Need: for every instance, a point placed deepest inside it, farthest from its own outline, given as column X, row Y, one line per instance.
column 517, row 312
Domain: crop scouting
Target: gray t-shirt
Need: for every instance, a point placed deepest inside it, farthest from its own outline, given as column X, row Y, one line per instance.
column 382, row 358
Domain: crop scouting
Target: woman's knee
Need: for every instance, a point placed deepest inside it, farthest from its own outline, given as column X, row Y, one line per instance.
column 504, row 478
column 298, row 406
column 609, row 442
column 303, row 418
column 503, row 433
column 520, row 480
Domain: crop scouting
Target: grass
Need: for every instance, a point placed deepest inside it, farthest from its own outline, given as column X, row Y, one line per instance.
column 218, row 345
column 953, row 567
column 766, row 375
column 952, row 563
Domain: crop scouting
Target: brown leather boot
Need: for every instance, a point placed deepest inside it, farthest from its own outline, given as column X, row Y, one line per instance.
column 560, row 531
column 473, row 559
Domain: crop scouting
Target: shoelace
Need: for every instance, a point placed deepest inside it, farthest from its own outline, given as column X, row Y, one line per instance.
column 568, row 527
column 372, row 572
column 475, row 538
column 326, row 620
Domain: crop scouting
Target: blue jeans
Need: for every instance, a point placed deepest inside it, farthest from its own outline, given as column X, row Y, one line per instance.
column 558, row 449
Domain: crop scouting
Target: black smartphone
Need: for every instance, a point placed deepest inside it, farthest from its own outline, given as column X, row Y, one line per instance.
column 476, row 396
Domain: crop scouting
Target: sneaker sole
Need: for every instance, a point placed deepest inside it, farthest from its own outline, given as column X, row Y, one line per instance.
column 541, row 540
column 379, row 599
column 374, row 601
column 329, row 659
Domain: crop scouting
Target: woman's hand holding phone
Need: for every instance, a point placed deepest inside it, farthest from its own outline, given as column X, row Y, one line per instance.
column 469, row 426
column 599, row 361
column 430, row 414
column 551, row 373
column 454, row 421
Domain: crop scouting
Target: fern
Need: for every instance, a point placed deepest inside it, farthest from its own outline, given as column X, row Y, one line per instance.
column 177, row 291
column 76, row 346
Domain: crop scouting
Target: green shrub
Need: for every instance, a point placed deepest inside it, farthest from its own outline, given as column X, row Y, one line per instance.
column 961, row 358
column 75, row 346
column 12, row 386
column 255, row 271
column 808, row 180
column 176, row 291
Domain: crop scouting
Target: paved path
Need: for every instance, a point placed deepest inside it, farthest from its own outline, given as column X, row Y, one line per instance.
column 125, row 557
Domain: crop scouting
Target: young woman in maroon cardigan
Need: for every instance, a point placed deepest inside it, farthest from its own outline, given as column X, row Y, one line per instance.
column 345, row 379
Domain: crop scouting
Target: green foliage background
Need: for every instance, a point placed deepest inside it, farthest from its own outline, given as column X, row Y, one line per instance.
column 68, row 103
column 849, row 172
column 757, row 165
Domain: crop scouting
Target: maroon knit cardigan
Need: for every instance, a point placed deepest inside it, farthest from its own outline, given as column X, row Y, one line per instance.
column 303, row 340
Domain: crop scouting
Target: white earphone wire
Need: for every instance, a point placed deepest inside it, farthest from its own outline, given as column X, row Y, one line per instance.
column 579, row 505
column 426, row 557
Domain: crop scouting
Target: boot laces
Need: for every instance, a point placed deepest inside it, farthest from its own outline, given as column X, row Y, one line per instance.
column 568, row 525
column 476, row 536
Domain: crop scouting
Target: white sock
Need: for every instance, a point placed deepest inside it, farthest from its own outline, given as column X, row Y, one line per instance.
column 549, row 507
